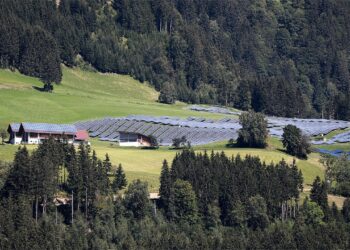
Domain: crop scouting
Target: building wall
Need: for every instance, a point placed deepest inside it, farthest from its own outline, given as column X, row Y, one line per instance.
column 36, row 138
column 133, row 140
column 15, row 138
column 130, row 144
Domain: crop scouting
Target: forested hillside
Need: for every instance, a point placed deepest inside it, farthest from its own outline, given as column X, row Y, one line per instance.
column 245, row 204
column 287, row 57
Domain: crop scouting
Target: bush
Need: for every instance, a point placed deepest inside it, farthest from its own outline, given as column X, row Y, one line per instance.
column 180, row 142
column 153, row 142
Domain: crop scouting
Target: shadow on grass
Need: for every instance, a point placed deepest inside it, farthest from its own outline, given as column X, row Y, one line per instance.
column 41, row 89
column 149, row 148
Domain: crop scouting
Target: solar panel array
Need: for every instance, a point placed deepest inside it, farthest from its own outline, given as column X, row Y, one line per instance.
column 201, row 130
column 310, row 127
column 335, row 153
column 340, row 138
column 197, row 131
column 50, row 128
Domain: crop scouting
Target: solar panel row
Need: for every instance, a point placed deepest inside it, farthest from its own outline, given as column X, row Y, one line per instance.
column 200, row 130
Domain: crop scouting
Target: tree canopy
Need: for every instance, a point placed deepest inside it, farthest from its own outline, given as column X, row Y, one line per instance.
column 295, row 142
column 254, row 130
column 284, row 58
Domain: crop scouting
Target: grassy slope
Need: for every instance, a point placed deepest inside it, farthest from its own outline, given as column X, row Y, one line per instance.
column 82, row 95
column 85, row 95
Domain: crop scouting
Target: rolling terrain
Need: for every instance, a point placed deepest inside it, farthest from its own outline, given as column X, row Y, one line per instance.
column 87, row 95
column 81, row 95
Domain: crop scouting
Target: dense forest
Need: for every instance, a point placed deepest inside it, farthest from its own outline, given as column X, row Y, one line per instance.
column 59, row 197
column 240, row 53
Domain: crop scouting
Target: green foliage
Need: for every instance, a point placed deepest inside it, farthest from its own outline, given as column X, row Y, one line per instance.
column 154, row 144
column 295, row 142
column 319, row 194
column 346, row 210
column 119, row 181
column 338, row 170
column 254, row 130
column 165, row 190
column 232, row 181
column 237, row 216
column 312, row 212
column 184, row 202
column 209, row 197
column 167, row 94
column 3, row 135
column 136, row 200
column 227, row 52
column 257, row 212
column 179, row 142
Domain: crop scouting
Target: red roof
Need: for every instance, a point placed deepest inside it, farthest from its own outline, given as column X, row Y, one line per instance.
column 81, row 135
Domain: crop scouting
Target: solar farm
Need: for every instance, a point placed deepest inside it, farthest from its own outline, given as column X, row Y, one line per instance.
column 200, row 131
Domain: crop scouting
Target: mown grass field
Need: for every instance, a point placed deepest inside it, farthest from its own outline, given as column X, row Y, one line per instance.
column 81, row 95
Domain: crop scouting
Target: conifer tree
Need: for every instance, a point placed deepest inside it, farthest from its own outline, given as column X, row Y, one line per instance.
column 346, row 210
column 119, row 181
column 257, row 212
column 102, row 178
column 107, row 164
column 165, row 189
column 185, row 202
column 319, row 193
column 20, row 179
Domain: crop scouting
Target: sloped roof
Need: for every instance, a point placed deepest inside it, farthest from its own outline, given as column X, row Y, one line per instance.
column 14, row 127
column 81, row 135
column 49, row 128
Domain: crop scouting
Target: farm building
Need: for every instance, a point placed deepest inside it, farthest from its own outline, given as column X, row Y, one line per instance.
column 81, row 136
column 35, row 133
column 133, row 140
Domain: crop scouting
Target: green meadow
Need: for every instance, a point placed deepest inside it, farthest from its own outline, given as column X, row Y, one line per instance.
column 86, row 95
column 81, row 95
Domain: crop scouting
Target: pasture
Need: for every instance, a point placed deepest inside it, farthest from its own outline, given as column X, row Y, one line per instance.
column 82, row 95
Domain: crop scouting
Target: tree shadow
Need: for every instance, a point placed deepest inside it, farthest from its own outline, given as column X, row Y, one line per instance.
column 282, row 151
column 45, row 88
column 41, row 89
